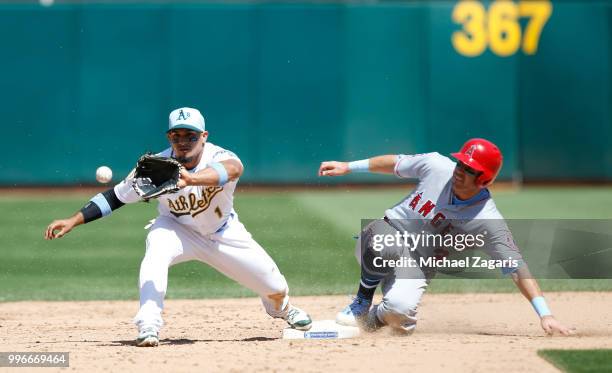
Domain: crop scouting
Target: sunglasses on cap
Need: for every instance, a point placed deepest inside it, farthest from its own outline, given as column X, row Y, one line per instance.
column 468, row 170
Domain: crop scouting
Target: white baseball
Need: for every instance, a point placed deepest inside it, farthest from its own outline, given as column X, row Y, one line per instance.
column 104, row 174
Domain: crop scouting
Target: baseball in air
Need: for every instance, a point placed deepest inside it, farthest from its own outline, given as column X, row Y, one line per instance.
column 104, row 174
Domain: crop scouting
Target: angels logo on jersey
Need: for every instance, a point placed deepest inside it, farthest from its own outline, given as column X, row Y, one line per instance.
column 191, row 205
column 426, row 208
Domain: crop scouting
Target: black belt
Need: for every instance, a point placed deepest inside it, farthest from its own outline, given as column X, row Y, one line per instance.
column 392, row 224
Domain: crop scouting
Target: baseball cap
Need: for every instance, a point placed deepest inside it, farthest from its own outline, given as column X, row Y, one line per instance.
column 187, row 118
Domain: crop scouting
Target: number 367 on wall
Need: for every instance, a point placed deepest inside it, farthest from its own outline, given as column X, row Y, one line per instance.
column 499, row 27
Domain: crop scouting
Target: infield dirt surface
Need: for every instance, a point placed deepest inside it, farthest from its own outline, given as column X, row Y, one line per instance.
column 456, row 332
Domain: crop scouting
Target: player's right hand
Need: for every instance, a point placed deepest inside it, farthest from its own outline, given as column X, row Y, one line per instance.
column 333, row 168
column 63, row 226
column 552, row 326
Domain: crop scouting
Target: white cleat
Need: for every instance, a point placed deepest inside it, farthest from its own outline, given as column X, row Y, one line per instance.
column 148, row 337
column 298, row 319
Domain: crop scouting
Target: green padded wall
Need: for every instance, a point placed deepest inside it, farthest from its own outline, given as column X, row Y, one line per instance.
column 287, row 85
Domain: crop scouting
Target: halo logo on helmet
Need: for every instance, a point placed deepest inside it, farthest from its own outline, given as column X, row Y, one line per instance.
column 481, row 155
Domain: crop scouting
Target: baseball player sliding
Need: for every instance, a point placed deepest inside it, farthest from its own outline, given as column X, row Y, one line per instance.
column 197, row 222
column 449, row 197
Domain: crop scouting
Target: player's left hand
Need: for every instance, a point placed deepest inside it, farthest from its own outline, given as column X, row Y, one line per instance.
column 184, row 179
column 551, row 325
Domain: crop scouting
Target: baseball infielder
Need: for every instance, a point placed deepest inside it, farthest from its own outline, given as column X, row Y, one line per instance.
column 449, row 196
column 196, row 223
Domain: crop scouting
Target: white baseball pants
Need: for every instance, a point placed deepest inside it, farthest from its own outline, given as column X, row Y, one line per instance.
column 232, row 252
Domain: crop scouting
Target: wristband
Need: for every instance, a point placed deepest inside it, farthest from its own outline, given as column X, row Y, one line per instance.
column 223, row 176
column 91, row 212
column 360, row 166
column 102, row 203
column 540, row 306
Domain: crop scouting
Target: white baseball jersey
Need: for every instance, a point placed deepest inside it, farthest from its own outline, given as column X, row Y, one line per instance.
column 204, row 209
column 199, row 223
column 431, row 204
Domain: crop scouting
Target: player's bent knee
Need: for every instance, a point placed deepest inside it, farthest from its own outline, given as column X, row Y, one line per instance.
column 400, row 315
column 404, row 329
column 402, row 323
column 401, row 306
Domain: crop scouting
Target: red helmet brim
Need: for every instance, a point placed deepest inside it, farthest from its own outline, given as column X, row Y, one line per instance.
column 464, row 158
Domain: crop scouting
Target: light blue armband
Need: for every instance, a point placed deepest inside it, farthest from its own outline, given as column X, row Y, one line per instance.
column 360, row 166
column 539, row 303
column 223, row 176
column 102, row 203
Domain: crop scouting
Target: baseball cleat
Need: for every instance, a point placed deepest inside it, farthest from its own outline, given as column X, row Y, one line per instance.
column 148, row 337
column 354, row 313
column 298, row 319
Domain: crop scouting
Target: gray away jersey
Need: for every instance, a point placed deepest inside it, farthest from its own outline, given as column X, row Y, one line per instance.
column 429, row 207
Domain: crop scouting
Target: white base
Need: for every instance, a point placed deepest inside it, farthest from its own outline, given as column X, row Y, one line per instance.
column 322, row 329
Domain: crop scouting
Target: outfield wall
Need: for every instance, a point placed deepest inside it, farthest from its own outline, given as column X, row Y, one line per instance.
column 289, row 85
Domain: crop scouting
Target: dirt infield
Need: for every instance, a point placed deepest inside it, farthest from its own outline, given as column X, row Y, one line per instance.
column 473, row 332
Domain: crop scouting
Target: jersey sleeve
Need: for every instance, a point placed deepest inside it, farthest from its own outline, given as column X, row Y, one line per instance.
column 417, row 166
column 221, row 154
column 124, row 191
column 500, row 245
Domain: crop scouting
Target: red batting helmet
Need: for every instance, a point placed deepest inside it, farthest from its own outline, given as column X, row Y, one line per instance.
column 481, row 155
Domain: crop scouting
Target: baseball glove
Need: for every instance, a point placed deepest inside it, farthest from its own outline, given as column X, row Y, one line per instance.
column 155, row 176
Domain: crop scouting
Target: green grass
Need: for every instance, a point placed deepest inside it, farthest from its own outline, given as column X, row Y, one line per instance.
column 309, row 234
column 579, row 361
